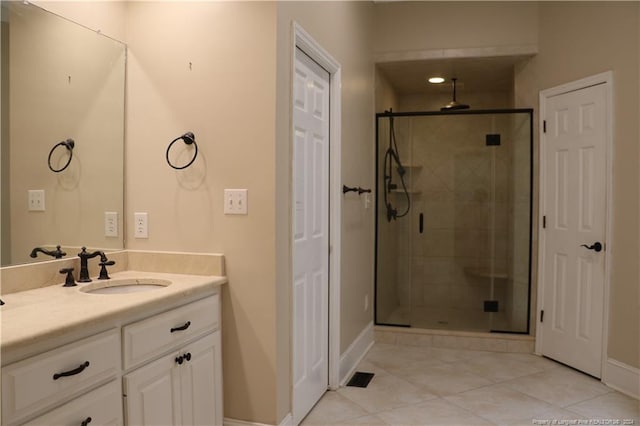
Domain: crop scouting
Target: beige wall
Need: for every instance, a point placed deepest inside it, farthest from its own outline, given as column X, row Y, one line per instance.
column 344, row 30
column 415, row 26
column 571, row 48
column 385, row 95
column 209, row 68
column 477, row 100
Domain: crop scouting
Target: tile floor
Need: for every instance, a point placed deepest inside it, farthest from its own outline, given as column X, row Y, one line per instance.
column 437, row 386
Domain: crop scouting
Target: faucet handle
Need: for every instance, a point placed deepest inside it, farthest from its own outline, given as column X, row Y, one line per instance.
column 69, row 281
column 103, row 269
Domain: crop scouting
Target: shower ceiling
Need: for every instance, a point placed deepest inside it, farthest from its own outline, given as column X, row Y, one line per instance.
column 474, row 74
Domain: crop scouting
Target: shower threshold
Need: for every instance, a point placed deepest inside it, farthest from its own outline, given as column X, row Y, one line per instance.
column 454, row 339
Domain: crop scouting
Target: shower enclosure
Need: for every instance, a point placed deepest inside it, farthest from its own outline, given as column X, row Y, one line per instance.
column 453, row 220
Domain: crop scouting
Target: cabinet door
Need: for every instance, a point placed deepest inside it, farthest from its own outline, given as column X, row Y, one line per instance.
column 152, row 394
column 201, row 382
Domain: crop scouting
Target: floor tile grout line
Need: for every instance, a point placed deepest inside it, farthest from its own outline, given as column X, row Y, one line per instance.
column 440, row 362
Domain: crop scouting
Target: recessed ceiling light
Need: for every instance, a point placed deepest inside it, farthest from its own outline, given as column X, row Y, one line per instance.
column 436, row 80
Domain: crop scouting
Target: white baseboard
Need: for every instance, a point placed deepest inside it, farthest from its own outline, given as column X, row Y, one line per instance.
column 287, row 421
column 353, row 355
column 622, row 377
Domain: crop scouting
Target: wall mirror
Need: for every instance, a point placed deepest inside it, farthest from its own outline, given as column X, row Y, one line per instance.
column 61, row 82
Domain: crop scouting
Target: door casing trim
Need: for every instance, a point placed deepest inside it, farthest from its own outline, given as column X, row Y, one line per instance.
column 304, row 41
column 605, row 78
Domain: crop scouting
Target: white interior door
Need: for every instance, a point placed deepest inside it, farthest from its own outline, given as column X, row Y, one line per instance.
column 574, row 167
column 310, row 234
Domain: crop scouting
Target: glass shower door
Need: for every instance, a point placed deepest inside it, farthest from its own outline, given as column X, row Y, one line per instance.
column 459, row 259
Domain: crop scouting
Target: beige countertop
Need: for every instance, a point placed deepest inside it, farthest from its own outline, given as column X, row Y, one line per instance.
column 37, row 320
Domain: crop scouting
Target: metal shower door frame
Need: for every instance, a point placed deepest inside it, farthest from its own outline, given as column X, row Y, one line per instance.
column 383, row 115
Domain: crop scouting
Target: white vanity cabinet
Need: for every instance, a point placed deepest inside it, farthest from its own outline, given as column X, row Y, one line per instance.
column 48, row 380
column 164, row 369
column 183, row 386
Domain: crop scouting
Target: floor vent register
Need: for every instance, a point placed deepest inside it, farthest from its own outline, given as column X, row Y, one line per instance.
column 360, row 379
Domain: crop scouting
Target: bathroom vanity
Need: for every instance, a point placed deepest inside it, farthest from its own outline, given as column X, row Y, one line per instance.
column 77, row 356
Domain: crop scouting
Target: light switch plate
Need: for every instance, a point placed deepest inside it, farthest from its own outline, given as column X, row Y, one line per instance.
column 235, row 201
column 36, row 200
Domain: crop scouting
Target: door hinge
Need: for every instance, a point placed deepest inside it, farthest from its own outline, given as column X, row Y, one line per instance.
column 542, row 315
column 544, row 222
column 544, row 126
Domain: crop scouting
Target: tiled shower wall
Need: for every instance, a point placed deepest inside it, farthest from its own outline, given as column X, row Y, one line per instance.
column 475, row 203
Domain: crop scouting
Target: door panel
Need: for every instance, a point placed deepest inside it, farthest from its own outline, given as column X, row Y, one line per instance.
column 573, row 274
column 310, row 234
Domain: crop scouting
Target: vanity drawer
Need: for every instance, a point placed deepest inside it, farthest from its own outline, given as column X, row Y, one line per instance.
column 161, row 333
column 103, row 406
column 47, row 379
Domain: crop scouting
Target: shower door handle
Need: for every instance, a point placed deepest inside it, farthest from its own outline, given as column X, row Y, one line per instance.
column 421, row 223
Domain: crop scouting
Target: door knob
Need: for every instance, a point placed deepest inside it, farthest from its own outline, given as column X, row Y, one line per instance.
column 596, row 246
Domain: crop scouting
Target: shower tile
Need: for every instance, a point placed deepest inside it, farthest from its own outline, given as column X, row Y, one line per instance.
column 436, row 295
column 439, row 214
column 439, row 242
column 384, row 337
column 438, row 270
column 422, row 340
column 494, row 345
column 434, row 412
column 561, row 387
column 453, row 342
column 526, row 347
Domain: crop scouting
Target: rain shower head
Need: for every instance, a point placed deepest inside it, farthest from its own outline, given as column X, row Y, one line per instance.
column 454, row 105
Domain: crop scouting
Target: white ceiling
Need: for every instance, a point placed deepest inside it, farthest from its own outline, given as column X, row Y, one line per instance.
column 474, row 74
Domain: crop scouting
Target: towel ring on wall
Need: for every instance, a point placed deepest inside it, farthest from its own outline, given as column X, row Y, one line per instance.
column 188, row 138
column 69, row 144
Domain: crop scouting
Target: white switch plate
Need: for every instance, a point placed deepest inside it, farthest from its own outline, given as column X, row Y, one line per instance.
column 235, row 201
column 141, row 225
column 36, row 200
column 110, row 224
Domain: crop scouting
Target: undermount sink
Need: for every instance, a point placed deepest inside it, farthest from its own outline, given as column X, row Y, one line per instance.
column 122, row 286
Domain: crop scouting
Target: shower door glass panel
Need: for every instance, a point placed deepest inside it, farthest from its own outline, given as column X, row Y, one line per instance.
column 459, row 259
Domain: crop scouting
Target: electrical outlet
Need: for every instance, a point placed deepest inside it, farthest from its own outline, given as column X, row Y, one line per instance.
column 36, row 200
column 367, row 200
column 110, row 224
column 366, row 302
column 141, row 224
column 235, row 201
